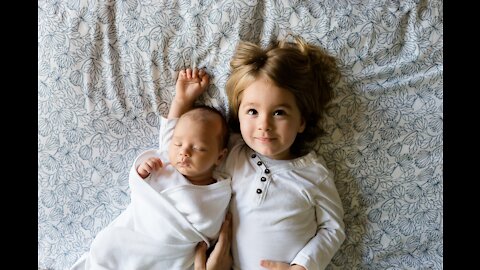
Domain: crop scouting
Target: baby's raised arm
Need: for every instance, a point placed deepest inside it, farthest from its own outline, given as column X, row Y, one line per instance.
column 148, row 166
column 191, row 83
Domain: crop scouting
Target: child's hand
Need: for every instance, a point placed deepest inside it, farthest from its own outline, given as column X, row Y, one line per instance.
column 148, row 166
column 190, row 85
column 273, row 265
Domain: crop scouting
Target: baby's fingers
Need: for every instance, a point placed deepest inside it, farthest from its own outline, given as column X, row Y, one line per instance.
column 154, row 163
column 143, row 170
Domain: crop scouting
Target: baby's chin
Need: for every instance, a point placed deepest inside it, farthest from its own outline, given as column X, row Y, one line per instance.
column 185, row 170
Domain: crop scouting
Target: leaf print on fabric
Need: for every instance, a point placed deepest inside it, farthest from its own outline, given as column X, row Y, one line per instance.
column 49, row 199
column 87, row 222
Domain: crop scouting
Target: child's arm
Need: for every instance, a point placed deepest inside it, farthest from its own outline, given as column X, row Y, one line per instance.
column 319, row 251
column 190, row 85
column 148, row 166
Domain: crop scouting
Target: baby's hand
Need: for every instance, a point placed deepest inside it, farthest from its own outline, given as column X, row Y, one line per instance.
column 190, row 84
column 148, row 166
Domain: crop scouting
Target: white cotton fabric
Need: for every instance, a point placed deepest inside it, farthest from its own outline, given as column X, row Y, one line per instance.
column 165, row 220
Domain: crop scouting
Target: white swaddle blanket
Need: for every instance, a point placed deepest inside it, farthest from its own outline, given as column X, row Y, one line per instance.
column 165, row 220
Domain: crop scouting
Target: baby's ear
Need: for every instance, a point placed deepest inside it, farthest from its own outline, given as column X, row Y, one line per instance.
column 221, row 156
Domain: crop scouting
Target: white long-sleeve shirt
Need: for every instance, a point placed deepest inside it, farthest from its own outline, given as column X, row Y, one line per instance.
column 282, row 210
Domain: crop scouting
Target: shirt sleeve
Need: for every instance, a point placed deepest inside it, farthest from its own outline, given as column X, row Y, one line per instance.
column 318, row 252
column 234, row 140
column 166, row 133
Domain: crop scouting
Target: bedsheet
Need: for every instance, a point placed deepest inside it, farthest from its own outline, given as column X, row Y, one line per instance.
column 106, row 72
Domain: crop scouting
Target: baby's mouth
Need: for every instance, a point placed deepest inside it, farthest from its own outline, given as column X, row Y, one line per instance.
column 183, row 164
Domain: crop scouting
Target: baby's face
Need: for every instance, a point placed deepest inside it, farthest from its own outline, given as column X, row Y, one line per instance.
column 195, row 148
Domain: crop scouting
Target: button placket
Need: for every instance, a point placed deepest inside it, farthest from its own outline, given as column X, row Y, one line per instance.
column 262, row 177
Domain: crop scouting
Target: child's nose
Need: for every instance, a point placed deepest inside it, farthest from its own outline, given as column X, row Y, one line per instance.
column 264, row 123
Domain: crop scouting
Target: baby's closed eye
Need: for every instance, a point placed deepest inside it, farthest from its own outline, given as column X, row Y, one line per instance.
column 200, row 148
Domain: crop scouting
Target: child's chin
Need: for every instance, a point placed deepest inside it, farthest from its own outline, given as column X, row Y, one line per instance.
column 265, row 153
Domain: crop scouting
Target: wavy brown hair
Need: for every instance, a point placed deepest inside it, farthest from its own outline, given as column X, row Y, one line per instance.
column 305, row 70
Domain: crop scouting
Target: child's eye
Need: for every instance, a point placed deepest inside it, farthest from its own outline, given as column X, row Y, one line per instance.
column 252, row 112
column 177, row 144
column 279, row 112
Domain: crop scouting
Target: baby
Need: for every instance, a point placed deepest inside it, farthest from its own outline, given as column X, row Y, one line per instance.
column 177, row 198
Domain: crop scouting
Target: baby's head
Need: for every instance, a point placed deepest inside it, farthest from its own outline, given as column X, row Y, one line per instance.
column 199, row 143
column 293, row 79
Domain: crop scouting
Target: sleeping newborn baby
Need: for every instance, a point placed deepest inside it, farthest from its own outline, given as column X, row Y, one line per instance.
column 177, row 199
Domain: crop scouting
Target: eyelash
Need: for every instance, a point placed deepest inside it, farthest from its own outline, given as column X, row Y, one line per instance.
column 251, row 111
column 275, row 113
column 201, row 149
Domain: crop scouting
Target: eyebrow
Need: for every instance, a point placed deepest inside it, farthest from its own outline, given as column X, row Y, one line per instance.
column 285, row 105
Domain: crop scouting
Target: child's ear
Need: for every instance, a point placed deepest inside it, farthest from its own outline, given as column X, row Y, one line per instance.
column 303, row 125
column 221, row 156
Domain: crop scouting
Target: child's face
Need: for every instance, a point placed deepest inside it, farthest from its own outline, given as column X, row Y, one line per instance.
column 195, row 148
column 269, row 119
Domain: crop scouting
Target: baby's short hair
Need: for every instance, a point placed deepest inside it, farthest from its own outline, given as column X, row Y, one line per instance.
column 201, row 112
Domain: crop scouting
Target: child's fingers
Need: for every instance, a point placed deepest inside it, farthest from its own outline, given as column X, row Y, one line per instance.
column 202, row 74
column 225, row 237
column 273, row 265
column 182, row 73
column 189, row 73
column 195, row 73
column 200, row 256
column 204, row 80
